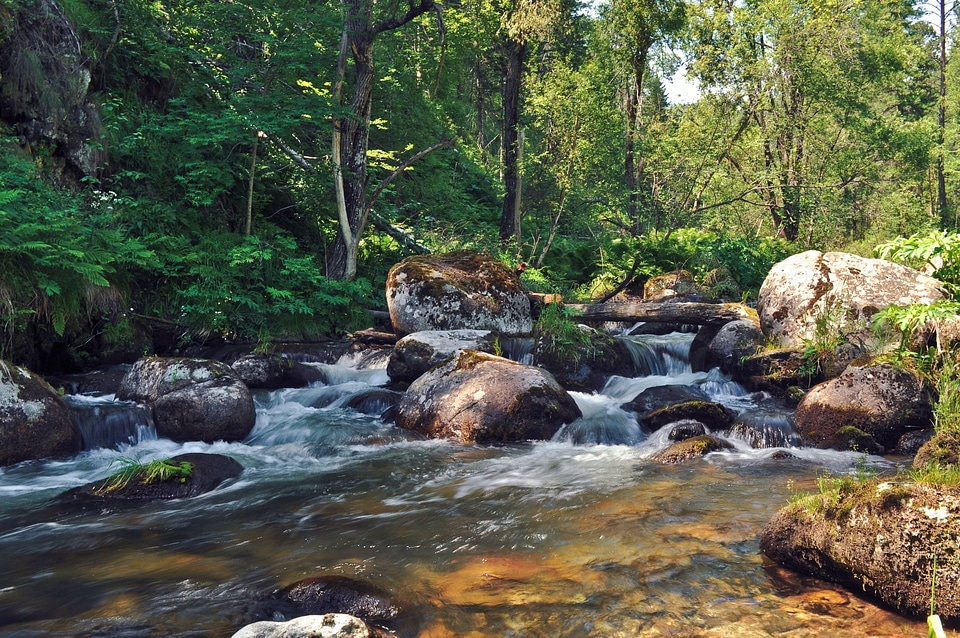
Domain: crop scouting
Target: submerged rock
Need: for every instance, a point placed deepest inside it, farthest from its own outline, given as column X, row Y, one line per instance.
column 879, row 538
column 692, row 448
column 191, row 399
column 712, row 415
column 879, row 403
column 478, row 397
column 325, row 626
column 457, row 290
column 35, row 421
column 332, row 594
column 207, row 473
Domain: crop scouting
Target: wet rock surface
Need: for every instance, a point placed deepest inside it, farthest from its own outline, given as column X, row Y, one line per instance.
column 314, row 626
column 272, row 371
column 416, row 353
column 689, row 449
column 35, row 422
column 477, row 397
column 191, row 399
column 207, row 473
column 880, row 538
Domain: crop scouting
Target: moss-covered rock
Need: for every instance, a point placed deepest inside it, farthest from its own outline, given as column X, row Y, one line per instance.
column 712, row 415
column 942, row 449
column 588, row 364
column 478, row 397
column 35, row 422
column 880, row 401
column 880, row 538
column 692, row 448
column 458, row 290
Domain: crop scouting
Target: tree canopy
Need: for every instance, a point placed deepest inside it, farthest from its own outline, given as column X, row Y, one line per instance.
column 252, row 170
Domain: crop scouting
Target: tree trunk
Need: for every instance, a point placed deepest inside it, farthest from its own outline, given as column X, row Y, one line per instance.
column 353, row 133
column 692, row 313
column 633, row 167
column 510, row 216
column 945, row 220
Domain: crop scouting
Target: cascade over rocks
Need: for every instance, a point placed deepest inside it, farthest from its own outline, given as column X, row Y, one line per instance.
column 880, row 539
column 880, row 401
column 35, row 421
column 806, row 286
column 418, row 352
column 457, row 290
column 478, row 397
column 191, row 399
column 585, row 366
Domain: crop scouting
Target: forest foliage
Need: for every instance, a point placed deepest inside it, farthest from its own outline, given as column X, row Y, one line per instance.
column 213, row 207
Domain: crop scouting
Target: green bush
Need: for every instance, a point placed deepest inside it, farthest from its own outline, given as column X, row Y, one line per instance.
column 254, row 288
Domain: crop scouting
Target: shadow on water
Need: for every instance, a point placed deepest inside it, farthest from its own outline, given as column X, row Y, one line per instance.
column 579, row 536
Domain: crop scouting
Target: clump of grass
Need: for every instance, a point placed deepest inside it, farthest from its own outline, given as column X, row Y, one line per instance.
column 131, row 470
column 832, row 489
column 561, row 336
column 936, row 474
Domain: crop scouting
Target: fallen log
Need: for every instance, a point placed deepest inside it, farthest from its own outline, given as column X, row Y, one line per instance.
column 702, row 314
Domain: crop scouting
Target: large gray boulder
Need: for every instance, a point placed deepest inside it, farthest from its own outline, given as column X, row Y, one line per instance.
column 191, row 399
column 846, row 288
column 878, row 538
column 880, row 401
column 35, row 421
column 478, row 397
column 418, row 352
column 457, row 290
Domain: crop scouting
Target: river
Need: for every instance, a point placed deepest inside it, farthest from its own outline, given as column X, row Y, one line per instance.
column 579, row 536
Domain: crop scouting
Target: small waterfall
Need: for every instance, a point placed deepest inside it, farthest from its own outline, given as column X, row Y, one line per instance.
column 660, row 355
column 519, row 349
column 108, row 423
column 765, row 429
column 603, row 423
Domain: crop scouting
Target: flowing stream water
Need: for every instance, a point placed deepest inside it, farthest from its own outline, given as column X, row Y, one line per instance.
column 579, row 536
